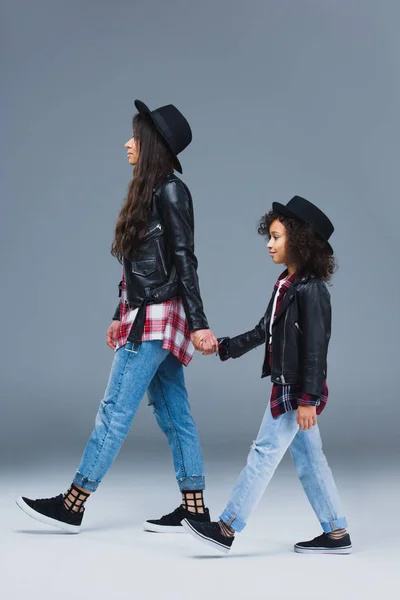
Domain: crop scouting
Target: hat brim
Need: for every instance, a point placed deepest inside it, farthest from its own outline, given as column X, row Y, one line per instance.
column 281, row 209
column 143, row 109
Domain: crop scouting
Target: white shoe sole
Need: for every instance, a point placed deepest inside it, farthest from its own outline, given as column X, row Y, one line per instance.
column 343, row 550
column 47, row 520
column 163, row 528
column 201, row 538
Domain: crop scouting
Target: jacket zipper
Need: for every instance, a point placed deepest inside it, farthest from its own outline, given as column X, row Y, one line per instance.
column 283, row 349
column 298, row 327
column 161, row 257
column 152, row 230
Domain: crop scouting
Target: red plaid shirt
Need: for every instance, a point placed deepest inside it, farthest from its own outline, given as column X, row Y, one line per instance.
column 290, row 397
column 164, row 321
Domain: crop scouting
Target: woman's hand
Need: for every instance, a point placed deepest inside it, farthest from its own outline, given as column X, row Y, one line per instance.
column 112, row 333
column 205, row 341
column 306, row 417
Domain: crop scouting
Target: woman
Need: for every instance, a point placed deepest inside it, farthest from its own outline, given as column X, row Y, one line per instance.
column 296, row 329
column 157, row 325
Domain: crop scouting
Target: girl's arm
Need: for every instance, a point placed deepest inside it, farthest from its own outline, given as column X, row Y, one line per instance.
column 315, row 315
column 239, row 345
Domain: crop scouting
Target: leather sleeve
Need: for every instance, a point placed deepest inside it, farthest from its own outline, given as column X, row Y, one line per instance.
column 239, row 345
column 116, row 316
column 177, row 214
column 315, row 319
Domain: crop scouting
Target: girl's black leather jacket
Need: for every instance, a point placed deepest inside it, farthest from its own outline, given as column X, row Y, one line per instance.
column 300, row 337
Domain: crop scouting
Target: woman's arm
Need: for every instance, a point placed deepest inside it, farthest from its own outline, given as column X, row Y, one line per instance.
column 177, row 215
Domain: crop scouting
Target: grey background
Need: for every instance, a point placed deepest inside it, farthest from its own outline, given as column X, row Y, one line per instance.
column 284, row 97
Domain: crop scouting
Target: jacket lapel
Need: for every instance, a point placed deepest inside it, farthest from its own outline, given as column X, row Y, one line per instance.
column 288, row 298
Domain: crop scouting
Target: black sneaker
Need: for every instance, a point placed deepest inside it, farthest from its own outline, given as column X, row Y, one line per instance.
column 52, row 512
column 324, row 544
column 209, row 533
column 172, row 523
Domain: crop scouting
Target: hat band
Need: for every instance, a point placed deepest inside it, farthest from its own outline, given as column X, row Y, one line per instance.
column 161, row 122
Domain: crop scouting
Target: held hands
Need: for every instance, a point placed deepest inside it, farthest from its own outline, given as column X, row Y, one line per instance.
column 204, row 341
column 306, row 417
column 112, row 333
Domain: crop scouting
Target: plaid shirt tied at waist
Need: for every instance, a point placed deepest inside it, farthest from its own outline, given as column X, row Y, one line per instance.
column 164, row 321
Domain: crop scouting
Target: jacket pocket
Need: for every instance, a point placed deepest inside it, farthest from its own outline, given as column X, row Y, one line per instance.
column 144, row 267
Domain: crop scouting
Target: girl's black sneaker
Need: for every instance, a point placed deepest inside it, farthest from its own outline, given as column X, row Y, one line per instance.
column 324, row 544
column 209, row 533
column 172, row 523
column 52, row 511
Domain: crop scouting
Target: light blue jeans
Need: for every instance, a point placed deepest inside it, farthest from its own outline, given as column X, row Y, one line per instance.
column 274, row 438
column 160, row 373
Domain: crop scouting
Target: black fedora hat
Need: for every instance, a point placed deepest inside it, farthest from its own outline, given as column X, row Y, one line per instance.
column 305, row 211
column 171, row 125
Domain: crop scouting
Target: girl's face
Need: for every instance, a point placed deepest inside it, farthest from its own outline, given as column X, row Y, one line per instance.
column 133, row 148
column 277, row 242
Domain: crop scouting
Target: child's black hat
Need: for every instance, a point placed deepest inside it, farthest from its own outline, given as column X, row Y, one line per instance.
column 301, row 209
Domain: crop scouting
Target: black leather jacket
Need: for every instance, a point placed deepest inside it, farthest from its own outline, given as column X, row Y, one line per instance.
column 300, row 337
column 164, row 265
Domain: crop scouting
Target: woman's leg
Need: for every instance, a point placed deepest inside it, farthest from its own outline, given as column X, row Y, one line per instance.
column 131, row 373
column 130, row 376
column 168, row 396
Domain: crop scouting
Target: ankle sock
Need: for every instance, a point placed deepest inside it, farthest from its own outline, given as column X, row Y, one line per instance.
column 74, row 499
column 193, row 501
column 226, row 530
column 337, row 534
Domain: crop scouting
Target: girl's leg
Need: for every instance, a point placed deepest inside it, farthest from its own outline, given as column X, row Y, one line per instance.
column 274, row 438
column 317, row 479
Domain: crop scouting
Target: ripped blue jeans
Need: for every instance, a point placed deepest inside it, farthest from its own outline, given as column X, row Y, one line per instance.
column 160, row 373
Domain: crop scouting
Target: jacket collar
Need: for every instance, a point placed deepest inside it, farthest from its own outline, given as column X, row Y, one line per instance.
column 288, row 298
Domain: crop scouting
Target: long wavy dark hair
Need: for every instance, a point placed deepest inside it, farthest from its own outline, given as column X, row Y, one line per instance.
column 155, row 162
column 305, row 251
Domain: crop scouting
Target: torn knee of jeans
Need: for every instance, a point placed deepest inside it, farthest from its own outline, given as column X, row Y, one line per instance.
column 262, row 448
column 151, row 405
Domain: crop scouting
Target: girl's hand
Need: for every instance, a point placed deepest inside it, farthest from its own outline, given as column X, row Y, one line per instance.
column 112, row 333
column 306, row 417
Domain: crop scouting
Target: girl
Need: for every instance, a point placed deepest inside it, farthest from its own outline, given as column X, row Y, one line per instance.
column 158, row 323
column 296, row 329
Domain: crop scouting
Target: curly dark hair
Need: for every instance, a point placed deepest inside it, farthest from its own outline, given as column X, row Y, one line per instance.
column 305, row 250
column 154, row 163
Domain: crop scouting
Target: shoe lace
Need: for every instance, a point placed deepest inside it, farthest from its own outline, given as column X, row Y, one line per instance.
column 49, row 499
column 174, row 512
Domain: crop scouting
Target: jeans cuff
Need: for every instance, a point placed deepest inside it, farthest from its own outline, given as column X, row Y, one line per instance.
column 233, row 521
column 86, row 483
column 340, row 523
column 196, row 482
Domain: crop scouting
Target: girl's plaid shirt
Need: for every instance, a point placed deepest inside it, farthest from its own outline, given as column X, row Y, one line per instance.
column 290, row 396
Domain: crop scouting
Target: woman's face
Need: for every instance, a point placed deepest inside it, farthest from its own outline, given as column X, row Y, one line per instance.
column 133, row 148
column 277, row 242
